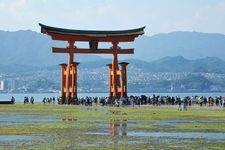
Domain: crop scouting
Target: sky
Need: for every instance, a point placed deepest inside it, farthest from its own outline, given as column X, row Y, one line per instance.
column 159, row 16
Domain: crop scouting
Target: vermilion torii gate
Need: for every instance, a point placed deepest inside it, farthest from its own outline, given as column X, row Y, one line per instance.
column 117, row 77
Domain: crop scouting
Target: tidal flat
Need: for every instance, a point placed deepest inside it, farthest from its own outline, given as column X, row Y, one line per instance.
column 52, row 126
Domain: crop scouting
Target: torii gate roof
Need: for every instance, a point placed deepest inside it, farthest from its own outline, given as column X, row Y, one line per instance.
column 87, row 35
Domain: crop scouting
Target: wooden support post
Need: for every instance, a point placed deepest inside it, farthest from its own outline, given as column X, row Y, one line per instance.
column 115, row 67
column 124, row 79
column 73, row 82
column 69, row 64
column 63, row 81
column 110, row 79
column 74, row 93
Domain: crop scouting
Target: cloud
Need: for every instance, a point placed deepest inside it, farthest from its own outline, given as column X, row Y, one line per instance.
column 206, row 19
column 18, row 5
column 158, row 16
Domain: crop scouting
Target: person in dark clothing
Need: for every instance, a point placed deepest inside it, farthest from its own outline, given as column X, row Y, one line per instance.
column 44, row 100
column 185, row 103
column 32, row 100
column 179, row 103
column 53, row 99
column 189, row 103
column 25, row 100
column 13, row 100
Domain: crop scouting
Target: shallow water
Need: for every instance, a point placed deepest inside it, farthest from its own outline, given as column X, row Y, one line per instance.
column 112, row 127
column 26, row 119
column 120, row 127
column 174, row 122
column 210, row 136
column 9, row 138
column 171, row 122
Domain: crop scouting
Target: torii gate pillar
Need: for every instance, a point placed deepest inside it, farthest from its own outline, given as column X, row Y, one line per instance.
column 121, row 83
column 68, row 80
column 124, row 78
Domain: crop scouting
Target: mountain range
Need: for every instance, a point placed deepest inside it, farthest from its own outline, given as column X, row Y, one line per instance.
column 177, row 64
column 191, row 45
column 170, row 64
column 27, row 47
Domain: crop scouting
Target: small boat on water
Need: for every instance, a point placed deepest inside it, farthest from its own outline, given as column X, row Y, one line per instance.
column 7, row 102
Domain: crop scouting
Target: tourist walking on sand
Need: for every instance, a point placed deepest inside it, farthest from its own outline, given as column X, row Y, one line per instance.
column 44, row 100
column 224, row 103
column 26, row 100
column 32, row 100
column 179, row 103
column 13, row 100
column 53, row 100
column 185, row 103
column 132, row 101
column 189, row 103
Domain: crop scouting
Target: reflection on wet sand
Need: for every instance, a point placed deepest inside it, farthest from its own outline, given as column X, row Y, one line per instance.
column 68, row 119
column 118, row 127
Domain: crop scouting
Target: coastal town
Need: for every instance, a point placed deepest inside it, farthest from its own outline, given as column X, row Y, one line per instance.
column 95, row 80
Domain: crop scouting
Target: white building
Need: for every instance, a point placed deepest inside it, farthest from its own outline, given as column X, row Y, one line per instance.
column 1, row 85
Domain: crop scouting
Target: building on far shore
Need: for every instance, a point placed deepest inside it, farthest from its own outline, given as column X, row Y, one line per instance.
column 1, row 85
column 8, row 85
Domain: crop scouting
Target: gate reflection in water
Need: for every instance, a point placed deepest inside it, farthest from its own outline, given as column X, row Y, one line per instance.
column 118, row 127
column 68, row 119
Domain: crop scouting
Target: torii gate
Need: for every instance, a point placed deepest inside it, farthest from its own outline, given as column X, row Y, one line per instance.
column 117, row 77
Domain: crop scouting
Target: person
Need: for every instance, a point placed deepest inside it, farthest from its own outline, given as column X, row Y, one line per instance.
column 13, row 100
column 44, row 100
column 32, row 100
column 117, row 102
column 132, row 101
column 185, row 100
column 189, row 103
column 179, row 103
column 25, row 100
column 224, row 103
column 53, row 99
column 204, row 100
column 96, row 101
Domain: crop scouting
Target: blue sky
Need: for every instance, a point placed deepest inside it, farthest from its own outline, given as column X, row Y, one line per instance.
column 159, row 16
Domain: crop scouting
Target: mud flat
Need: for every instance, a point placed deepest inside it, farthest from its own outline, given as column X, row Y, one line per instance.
column 78, row 127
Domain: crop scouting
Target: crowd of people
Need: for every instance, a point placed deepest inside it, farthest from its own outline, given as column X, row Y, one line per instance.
column 155, row 100
column 26, row 100
column 49, row 100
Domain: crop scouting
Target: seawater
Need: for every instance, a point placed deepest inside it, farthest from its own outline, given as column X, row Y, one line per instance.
column 38, row 97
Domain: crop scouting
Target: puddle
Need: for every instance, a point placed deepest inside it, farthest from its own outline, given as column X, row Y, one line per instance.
column 26, row 119
column 9, row 138
column 170, row 122
column 174, row 122
column 118, row 127
column 210, row 136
